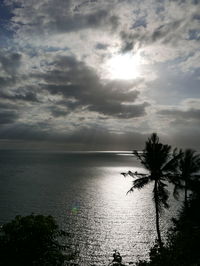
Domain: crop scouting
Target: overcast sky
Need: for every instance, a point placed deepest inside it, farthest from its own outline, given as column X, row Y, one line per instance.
column 99, row 74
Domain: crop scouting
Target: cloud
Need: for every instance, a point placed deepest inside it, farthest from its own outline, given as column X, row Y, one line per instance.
column 53, row 17
column 74, row 80
column 8, row 117
column 58, row 111
column 164, row 30
column 164, row 34
column 120, row 110
column 181, row 123
column 180, row 114
column 101, row 46
column 191, row 63
column 82, row 138
column 188, row 110
column 10, row 62
column 21, row 95
column 54, row 83
column 20, row 131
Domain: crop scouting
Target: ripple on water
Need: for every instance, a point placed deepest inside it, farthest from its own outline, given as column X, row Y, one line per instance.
column 87, row 195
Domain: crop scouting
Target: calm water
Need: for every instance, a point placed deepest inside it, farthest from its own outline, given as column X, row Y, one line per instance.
column 87, row 195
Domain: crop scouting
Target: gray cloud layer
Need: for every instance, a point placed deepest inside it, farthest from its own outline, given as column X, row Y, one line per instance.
column 180, row 114
column 54, row 84
column 74, row 80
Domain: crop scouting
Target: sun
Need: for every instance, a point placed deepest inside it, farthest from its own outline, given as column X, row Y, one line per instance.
column 124, row 66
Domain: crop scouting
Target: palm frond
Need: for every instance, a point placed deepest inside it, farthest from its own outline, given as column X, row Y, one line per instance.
column 136, row 174
column 132, row 174
column 128, row 173
column 141, row 182
column 190, row 163
column 171, row 166
column 124, row 174
column 130, row 190
column 139, row 156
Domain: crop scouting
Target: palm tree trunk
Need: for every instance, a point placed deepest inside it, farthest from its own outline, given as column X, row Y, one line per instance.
column 157, row 215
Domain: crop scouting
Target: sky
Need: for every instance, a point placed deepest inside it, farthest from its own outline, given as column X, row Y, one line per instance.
column 99, row 74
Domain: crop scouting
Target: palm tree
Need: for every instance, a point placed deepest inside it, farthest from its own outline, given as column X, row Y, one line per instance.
column 161, row 164
column 189, row 167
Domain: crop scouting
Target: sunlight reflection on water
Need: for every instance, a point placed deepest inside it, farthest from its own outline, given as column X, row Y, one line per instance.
column 109, row 219
column 87, row 195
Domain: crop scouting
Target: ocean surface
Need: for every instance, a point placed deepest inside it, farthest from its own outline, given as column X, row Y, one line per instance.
column 86, row 194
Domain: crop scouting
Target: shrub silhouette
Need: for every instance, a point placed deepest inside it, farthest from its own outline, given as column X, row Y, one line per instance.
column 31, row 241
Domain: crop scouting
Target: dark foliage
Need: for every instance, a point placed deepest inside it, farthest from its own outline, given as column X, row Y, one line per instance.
column 31, row 241
column 189, row 166
column 182, row 248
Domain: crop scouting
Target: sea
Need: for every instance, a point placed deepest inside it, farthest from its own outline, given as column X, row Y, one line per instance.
column 87, row 195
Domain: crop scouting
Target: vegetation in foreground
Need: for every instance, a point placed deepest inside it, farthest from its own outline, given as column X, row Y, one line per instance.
column 32, row 241
column 164, row 165
column 181, row 169
column 182, row 247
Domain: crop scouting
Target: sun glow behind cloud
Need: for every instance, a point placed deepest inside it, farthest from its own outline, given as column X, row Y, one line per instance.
column 124, row 66
column 74, row 66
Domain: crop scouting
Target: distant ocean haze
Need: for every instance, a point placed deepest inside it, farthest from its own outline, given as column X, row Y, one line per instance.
column 86, row 194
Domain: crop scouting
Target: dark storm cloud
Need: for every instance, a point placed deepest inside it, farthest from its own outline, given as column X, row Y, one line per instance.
column 4, row 81
column 9, row 65
column 120, row 111
column 57, row 111
column 180, row 114
column 7, row 106
column 20, row 95
column 7, row 117
column 83, row 138
column 88, row 137
column 74, row 80
column 20, row 131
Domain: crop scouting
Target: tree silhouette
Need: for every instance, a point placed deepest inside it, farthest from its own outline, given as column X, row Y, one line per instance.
column 32, row 240
column 189, row 166
column 161, row 164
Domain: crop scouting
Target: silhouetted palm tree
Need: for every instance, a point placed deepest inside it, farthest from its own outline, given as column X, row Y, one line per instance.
column 162, row 165
column 189, row 167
